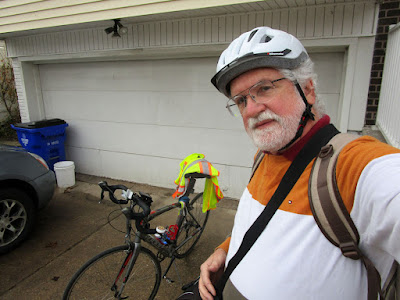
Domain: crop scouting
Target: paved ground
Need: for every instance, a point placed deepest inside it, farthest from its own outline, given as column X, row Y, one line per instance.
column 74, row 227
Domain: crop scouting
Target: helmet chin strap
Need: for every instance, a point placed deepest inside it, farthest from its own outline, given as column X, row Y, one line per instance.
column 307, row 115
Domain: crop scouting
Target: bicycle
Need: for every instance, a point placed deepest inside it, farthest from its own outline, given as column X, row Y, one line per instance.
column 131, row 269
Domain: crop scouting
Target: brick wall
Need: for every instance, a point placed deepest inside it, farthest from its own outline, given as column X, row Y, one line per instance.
column 389, row 13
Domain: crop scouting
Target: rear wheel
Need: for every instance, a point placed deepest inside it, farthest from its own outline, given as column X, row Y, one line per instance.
column 192, row 227
column 17, row 218
column 97, row 279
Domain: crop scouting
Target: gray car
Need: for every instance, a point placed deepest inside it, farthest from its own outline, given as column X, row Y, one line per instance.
column 26, row 186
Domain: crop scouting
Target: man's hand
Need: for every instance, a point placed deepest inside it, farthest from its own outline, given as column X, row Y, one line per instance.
column 210, row 272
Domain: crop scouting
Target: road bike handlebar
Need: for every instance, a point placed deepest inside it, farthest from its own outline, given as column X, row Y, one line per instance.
column 129, row 213
column 111, row 189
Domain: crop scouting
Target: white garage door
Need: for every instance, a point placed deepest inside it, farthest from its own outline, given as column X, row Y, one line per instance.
column 136, row 120
column 329, row 67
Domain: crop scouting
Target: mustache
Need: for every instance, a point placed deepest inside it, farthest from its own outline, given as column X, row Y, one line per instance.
column 265, row 115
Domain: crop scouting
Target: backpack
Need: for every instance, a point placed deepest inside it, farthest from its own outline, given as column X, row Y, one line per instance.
column 328, row 208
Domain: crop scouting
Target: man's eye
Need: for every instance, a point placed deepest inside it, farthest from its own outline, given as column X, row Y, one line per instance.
column 240, row 100
column 263, row 90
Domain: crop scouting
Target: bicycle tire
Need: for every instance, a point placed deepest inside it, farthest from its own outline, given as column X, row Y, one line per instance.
column 96, row 277
column 190, row 226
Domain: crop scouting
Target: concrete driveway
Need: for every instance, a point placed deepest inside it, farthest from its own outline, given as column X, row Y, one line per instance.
column 75, row 227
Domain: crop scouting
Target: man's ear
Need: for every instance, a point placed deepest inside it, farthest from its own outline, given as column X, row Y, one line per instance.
column 309, row 92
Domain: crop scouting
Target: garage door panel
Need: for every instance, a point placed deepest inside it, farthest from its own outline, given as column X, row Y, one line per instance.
column 109, row 106
column 140, row 168
column 329, row 67
column 119, row 165
column 158, row 75
column 331, row 102
column 183, row 75
column 203, row 110
column 86, row 160
column 162, row 141
column 147, row 169
column 237, row 180
column 128, row 119
column 105, row 76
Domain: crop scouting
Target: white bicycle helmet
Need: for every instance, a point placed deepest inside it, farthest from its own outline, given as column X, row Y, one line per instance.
column 260, row 47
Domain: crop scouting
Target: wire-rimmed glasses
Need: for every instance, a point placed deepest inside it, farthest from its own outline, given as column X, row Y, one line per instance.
column 261, row 92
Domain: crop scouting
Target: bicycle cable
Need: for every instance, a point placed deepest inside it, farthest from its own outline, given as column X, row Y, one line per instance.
column 109, row 220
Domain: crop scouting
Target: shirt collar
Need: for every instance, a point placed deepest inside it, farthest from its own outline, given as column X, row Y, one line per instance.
column 292, row 152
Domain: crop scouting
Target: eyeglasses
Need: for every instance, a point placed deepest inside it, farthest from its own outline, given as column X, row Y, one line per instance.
column 261, row 92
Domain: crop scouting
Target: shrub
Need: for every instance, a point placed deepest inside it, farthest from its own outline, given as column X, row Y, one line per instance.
column 8, row 100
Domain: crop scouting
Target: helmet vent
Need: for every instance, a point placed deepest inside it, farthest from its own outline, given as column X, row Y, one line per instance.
column 252, row 34
column 265, row 39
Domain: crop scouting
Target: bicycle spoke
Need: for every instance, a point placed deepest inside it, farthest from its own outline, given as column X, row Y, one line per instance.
column 192, row 227
column 194, row 219
column 117, row 273
column 187, row 239
column 98, row 278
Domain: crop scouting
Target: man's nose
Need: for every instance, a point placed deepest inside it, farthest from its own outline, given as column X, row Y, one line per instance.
column 253, row 108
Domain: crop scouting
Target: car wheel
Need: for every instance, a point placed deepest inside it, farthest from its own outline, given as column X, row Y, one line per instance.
column 17, row 217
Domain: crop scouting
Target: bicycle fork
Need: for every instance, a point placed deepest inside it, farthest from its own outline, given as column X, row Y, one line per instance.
column 128, row 262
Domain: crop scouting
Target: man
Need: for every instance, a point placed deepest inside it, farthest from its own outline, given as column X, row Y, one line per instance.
column 269, row 80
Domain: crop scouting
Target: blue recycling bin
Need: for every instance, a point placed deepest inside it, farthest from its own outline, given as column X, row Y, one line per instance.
column 45, row 138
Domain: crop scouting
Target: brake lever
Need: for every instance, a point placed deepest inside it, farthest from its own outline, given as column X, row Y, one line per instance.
column 127, row 194
column 101, row 196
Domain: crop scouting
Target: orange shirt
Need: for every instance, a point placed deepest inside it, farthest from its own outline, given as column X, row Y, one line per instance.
column 351, row 162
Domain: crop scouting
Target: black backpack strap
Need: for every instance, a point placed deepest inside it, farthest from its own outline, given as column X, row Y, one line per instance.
column 330, row 212
column 305, row 156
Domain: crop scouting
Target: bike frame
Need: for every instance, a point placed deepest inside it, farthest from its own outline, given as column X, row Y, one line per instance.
column 130, row 260
column 134, row 247
column 182, row 213
column 139, row 210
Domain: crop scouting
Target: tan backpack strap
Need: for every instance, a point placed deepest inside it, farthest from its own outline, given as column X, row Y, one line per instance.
column 324, row 196
column 257, row 160
column 391, row 288
column 330, row 212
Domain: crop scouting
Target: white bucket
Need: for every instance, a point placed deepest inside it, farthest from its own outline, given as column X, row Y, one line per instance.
column 65, row 173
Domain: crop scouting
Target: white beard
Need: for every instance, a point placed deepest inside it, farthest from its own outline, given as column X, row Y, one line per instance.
column 277, row 135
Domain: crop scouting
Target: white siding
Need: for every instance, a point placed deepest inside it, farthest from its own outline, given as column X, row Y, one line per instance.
column 338, row 20
column 19, row 15
column 23, row 109
column 389, row 104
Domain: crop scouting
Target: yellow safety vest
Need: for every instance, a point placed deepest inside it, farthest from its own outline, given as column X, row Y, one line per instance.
column 196, row 163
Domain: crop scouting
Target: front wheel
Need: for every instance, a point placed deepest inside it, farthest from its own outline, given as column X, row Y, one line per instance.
column 102, row 276
column 192, row 227
column 17, row 217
